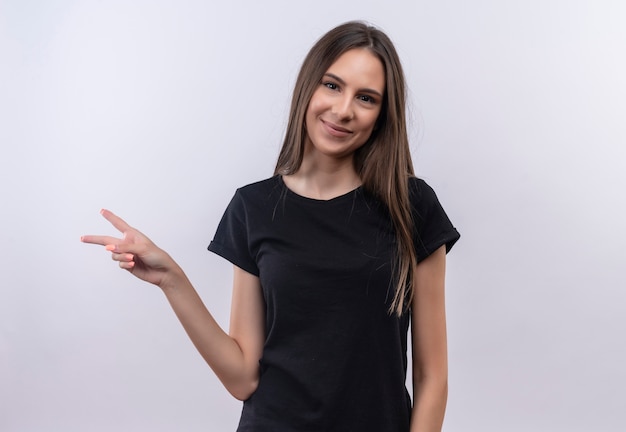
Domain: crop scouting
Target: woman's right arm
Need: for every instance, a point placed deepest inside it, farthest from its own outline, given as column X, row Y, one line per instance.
column 234, row 357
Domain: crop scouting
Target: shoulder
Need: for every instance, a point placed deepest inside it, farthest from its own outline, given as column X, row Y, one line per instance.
column 259, row 196
column 268, row 184
column 433, row 228
column 249, row 205
column 261, row 190
column 421, row 195
column 418, row 186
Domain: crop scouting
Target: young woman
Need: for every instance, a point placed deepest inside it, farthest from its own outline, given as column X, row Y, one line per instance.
column 333, row 257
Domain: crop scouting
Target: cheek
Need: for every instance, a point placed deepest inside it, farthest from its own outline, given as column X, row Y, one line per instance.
column 313, row 111
column 309, row 117
column 315, row 106
column 372, row 121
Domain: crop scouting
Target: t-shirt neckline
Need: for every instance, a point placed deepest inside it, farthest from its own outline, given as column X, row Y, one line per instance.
column 338, row 199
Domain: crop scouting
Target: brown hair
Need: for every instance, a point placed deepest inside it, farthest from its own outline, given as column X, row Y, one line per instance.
column 384, row 161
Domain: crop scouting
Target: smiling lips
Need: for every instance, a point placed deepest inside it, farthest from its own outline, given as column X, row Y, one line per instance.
column 335, row 130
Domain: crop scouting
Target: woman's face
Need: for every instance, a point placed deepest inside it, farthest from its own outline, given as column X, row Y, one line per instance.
column 344, row 108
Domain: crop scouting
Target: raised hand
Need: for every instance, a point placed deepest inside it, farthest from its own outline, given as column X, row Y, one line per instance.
column 235, row 359
column 135, row 252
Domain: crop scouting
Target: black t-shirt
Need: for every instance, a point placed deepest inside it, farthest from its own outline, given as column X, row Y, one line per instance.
column 334, row 359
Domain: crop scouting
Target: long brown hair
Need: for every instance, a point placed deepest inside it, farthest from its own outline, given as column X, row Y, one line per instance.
column 384, row 161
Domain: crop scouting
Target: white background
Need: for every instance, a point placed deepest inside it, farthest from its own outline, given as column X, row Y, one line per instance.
column 158, row 110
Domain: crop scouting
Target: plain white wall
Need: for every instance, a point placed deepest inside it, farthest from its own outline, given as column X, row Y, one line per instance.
column 158, row 110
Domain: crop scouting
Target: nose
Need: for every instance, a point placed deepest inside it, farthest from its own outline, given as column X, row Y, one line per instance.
column 342, row 108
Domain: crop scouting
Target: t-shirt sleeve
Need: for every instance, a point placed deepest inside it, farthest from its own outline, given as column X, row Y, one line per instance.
column 433, row 228
column 232, row 238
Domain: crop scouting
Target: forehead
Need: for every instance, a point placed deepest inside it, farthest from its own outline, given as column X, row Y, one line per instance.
column 359, row 68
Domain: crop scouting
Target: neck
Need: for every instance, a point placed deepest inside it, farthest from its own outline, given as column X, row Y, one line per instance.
column 323, row 178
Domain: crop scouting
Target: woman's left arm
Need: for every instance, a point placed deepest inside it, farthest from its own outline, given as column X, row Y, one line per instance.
column 430, row 353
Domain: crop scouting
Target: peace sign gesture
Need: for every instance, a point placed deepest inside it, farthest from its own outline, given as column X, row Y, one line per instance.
column 135, row 252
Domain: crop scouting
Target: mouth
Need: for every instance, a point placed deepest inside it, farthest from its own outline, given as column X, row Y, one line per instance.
column 335, row 130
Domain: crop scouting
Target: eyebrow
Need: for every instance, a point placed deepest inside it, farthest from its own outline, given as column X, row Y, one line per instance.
column 342, row 82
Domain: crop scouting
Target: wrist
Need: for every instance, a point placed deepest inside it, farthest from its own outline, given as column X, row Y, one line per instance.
column 173, row 279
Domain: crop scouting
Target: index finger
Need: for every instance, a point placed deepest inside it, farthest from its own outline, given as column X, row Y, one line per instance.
column 99, row 240
column 115, row 220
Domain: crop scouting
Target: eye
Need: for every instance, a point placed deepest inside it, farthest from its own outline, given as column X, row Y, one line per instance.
column 366, row 98
column 330, row 85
